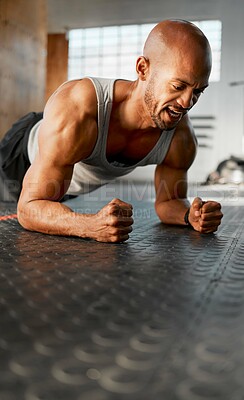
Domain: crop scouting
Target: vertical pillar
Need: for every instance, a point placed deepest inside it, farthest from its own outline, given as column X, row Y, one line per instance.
column 23, row 27
column 57, row 62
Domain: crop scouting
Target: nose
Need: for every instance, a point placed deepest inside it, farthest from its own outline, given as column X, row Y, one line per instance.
column 187, row 99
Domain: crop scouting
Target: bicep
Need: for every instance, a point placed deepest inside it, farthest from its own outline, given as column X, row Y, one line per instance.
column 66, row 136
column 170, row 183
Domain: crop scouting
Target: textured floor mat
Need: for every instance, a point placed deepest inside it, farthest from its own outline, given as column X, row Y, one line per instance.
column 160, row 317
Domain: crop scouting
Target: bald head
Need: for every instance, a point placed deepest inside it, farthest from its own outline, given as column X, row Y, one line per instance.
column 178, row 36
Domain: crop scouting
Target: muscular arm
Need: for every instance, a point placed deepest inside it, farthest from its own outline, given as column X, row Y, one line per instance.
column 171, row 194
column 171, row 185
column 67, row 135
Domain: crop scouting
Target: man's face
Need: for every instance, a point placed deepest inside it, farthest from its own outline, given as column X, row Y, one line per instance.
column 174, row 89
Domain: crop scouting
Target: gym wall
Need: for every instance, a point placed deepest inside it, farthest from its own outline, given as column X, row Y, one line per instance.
column 23, row 35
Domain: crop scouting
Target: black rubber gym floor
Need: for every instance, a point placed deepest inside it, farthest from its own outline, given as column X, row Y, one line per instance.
column 160, row 317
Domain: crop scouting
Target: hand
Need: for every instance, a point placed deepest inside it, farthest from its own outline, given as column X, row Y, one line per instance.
column 113, row 222
column 205, row 217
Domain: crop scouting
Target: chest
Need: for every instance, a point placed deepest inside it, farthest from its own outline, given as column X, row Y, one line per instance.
column 130, row 147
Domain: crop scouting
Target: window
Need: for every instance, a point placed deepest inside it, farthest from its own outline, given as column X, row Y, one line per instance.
column 213, row 31
column 112, row 51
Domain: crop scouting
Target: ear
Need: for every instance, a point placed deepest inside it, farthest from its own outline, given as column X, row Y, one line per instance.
column 142, row 67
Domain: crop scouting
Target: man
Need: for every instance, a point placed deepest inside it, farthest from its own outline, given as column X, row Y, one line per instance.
column 94, row 130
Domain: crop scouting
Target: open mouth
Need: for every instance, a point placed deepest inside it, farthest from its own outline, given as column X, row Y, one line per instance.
column 176, row 115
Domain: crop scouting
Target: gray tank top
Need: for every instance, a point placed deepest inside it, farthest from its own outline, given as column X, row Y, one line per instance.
column 95, row 171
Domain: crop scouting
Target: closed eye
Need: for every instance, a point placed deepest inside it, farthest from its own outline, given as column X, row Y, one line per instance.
column 199, row 91
column 178, row 87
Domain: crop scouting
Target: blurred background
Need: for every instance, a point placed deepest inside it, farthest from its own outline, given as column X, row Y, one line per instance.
column 45, row 42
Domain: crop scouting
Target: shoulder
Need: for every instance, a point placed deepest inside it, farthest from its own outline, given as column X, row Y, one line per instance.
column 77, row 96
column 70, row 120
column 183, row 147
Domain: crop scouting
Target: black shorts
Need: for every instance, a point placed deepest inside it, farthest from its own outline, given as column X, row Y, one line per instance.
column 14, row 160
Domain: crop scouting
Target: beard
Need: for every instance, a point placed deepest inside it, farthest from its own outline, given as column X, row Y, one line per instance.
column 156, row 114
column 151, row 104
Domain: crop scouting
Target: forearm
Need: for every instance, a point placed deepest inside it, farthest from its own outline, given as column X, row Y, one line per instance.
column 113, row 223
column 54, row 218
column 172, row 211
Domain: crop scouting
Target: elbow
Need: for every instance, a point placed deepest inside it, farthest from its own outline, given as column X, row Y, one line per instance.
column 160, row 211
column 21, row 217
column 24, row 215
column 165, row 212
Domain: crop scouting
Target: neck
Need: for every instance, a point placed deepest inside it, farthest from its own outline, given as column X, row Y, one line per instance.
column 129, row 108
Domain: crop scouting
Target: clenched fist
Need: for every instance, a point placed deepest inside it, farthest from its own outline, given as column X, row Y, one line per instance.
column 113, row 223
column 205, row 216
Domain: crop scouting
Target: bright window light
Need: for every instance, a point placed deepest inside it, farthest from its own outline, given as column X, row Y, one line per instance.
column 112, row 51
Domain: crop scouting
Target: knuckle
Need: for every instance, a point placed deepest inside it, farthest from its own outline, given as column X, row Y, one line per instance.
column 112, row 208
column 218, row 207
column 113, row 220
column 114, row 201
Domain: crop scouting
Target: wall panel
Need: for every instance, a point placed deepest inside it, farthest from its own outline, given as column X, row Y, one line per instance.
column 23, row 33
column 57, row 62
